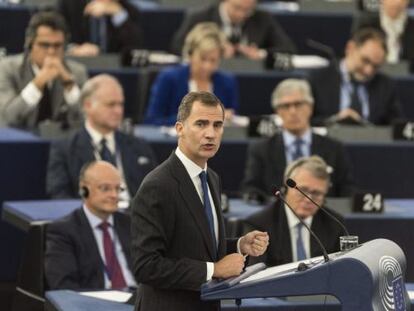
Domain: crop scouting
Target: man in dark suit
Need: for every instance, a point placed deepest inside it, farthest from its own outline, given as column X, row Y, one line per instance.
column 354, row 91
column 103, row 105
column 398, row 27
column 40, row 84
column 178, row 238
column 289, row 241
column 101, row 26
column 249, row 31
column 90, row 248
column 292, row 100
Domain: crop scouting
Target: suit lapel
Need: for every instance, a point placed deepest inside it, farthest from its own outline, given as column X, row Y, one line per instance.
column 285, row 247
column 84, row 147
column 88, row 237
column 277, row 159
column 192, row 201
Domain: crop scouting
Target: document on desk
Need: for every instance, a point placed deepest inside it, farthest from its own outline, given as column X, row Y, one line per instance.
column 112, row 295
column 282, row 269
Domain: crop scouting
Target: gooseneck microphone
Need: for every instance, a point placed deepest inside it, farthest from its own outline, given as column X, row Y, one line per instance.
column 301, row 267
column 292, row 184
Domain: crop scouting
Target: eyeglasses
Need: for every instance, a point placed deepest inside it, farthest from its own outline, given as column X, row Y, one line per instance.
column 47, row 45
column 296, row 104
column 314, row 194
column 105, row 188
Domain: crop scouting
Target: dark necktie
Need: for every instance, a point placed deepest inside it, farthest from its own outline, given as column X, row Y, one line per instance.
column 106, row 154
column 45, row 106
column 97, row 29
column 207, row 206
column 235, row 36
column 300, row 248
column 297, row 151
column 355, row 100
column 112, row 267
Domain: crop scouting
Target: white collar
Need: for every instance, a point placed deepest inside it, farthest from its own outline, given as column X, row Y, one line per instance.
column 193, row 169
column 94, row 220
column 292, row 220
column 97, row 136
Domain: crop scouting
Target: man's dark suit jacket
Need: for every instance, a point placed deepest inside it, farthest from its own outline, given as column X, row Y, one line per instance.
column 68, row 156
column 273, row 220
column 407, row 40
column 326, row 87
column 171, row 241
column 260, row 29
column 266, row 163
column 72, row 259
column 129, row 35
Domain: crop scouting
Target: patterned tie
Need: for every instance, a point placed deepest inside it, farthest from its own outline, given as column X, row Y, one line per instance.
column 45, row 106
column 113, row 268
column 207, row 206
column 300, row 248
column 297, row 151
column 106, row 154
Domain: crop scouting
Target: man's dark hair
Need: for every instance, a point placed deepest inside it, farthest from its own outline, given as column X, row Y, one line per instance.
column 206, row 98
column 365, row 34
column 49, row 19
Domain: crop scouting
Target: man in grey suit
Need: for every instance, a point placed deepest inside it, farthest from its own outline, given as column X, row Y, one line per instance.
column 178, row 239
column 40, row 84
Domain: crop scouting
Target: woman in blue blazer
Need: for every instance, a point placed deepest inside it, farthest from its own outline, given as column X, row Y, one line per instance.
column 203, row 49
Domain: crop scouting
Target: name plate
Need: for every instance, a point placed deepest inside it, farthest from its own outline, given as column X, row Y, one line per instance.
column 368, row 203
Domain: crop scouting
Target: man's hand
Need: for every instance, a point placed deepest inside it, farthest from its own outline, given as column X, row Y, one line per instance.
column 254, row 243
column 250, row 51
column 230, row 265
column 99, row 8
column 84, row 49
column 348, row 113
column 49, row 71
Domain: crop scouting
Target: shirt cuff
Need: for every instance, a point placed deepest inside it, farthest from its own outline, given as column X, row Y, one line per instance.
column 72, row 96
column 119, row 18
column 31, row 94
column 210, row 270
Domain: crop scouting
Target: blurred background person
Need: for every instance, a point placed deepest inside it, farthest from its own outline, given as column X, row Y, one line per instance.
column 90, row 247
column 398, row 27
column 203, row 50
column 289, row 240
column 99, row 139
column 41, row 84
column 249, row 31
column 356, row 92
column 101, row 26
column 267, row 158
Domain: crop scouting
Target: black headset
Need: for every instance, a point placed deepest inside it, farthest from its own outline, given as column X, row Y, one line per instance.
column 84, row 192
column 298, row 163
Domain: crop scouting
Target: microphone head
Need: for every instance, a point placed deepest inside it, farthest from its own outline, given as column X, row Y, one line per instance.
column 277, row 193
column 291, row 183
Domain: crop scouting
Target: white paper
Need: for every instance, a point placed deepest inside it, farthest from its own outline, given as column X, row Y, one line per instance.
column 111, row 295
column 411, row 294
column 309, row 61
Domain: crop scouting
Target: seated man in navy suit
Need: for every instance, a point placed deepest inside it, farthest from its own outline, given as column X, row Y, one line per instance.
column 289, row 241
column 90, row 248
column 103, row 105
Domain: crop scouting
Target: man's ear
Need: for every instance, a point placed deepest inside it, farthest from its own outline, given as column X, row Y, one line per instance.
column 179, row 128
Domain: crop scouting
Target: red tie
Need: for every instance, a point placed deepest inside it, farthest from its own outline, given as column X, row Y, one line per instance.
column 113, row 269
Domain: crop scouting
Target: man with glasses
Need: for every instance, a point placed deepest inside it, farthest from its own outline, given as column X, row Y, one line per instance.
column 292, row 101
column 40, row 84
column 249, row 31
column 90, row 248
column 289, row 240
column 355, row 91
column 99, row 139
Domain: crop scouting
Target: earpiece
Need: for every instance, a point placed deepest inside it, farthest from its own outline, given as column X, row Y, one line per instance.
column 84, row 192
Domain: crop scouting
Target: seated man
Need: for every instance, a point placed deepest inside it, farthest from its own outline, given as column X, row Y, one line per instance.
column 356, row 92
column 398, row 27
column 41, row 84
column 293, row 102
column 90, row 248
column 99, row 139
column 289, row 241
column 101, row 26
column 247, row 29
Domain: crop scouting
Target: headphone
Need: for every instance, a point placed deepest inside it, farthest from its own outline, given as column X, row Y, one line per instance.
column 48, row 19
column 289, row 171
column 84, row 192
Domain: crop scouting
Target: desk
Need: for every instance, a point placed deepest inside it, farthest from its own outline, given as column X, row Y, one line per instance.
column 395, row 223
column 22, row 166
column 67, row 300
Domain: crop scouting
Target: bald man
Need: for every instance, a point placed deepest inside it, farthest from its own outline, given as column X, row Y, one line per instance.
column 90, row 248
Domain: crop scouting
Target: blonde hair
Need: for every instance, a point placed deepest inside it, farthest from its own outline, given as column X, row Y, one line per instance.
column 203, row 37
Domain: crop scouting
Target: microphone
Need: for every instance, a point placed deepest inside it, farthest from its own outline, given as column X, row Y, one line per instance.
column 292, row 184
column 327, row 50
column 301, row 266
